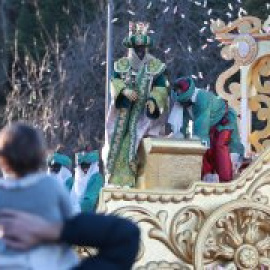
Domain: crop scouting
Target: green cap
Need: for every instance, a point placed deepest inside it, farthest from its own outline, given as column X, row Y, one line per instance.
column 59, row 158
column 187, row 95
column 87, row 157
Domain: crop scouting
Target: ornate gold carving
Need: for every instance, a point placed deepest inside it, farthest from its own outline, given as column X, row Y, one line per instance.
column 255, row 173
column 244, row 49
column 169, row 232
column 209, row 229
column 233, row 93
column 163, row 266
column 260, row 102
column 245, row 25
column 235, row 234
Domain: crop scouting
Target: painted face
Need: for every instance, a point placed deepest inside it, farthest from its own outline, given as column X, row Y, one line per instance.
column 55, row 167
column 85, row 167
column 140, row 51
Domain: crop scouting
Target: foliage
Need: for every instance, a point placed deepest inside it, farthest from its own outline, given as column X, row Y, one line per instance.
column 58, row 82
column 258, row 8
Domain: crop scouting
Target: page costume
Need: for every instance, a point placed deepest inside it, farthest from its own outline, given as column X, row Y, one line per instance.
column 87, row 184
column 215, row 123
column 64, row 176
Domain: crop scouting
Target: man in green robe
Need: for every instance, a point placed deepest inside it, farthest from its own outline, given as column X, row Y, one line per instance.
column 59, row 165
column 139, row 102
column 88, row 182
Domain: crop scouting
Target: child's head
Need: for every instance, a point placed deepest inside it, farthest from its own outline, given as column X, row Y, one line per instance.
column 22, row 149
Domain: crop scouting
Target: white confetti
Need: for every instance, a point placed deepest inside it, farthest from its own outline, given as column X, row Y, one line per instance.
column 204, row 46
column 114, row 20
column 208, row 87
column 205, row 3
column 103, row 63
column 267, row 5
column 189, row 48
column 239, row 1
column 175, row 9
column 205, row 22
column 202, row 29
column 210, row 11
column 197, row 3
column 230, row 6
column 151, row 31
column 229, row 14
column 200, row 75
column 242, row 11
column 149, row 5
column 194, row 76
column 131, row 12
column 166, row 9
column 183, row 16
column 210, row 40
column 66, row 123
column 167, row 50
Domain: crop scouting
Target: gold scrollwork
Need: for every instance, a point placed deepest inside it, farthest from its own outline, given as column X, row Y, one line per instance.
column 163, row 265
column 237, row 233
column 170, row 232
column 260, row 103
column 245, row 25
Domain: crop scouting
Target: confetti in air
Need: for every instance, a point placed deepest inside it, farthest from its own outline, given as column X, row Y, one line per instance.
column 202, row 29
column 166, row 10
column 183, row 16
column 204, row 46
column 167, row 50
column 149, row 5
column 115, row 20
column 175, row 9
column 131, row 12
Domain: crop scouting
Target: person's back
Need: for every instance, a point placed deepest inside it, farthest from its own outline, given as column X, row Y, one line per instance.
column 25, row 188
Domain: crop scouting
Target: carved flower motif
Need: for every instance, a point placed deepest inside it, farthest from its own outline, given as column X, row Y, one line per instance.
column 240, row 237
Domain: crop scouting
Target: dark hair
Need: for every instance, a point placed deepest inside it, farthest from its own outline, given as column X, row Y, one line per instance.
column 23, row 148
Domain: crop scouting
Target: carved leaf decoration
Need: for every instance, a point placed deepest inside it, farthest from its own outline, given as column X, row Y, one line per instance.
column 252, row 234
column 265, row 262
column 179, row 242
column 263, row 245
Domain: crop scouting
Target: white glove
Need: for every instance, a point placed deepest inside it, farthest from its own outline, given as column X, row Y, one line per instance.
column 236, row 162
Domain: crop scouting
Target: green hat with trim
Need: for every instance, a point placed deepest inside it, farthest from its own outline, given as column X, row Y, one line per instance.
column 183, row 88
column 138, row 35
column 59, row 158
column 87, row 157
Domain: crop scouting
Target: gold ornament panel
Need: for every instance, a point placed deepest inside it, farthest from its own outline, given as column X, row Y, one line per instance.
column 176, row 223
column 260, row 102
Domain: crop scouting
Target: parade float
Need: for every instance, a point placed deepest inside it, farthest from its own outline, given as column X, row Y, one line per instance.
column 189, row 224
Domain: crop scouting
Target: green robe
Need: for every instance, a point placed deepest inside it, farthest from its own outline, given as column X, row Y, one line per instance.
column 91, row 194
column 125, row 135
